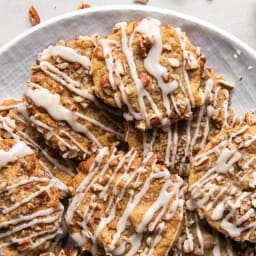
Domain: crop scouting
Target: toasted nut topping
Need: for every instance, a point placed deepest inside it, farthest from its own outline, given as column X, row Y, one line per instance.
column 144, row 77
column 225, row 84
column 191, row 61
column 140, row 125
column 174, row 62
column 202, row 164
column 167, row 47
column 119, row 67
column 202, row 61
column 144, row 46
column 98, row 53
column 34, row 16
column 97, row 187
column 155, row 121
column 130, row 90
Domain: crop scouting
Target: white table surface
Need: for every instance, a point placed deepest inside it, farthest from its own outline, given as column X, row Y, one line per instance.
column 235, row 16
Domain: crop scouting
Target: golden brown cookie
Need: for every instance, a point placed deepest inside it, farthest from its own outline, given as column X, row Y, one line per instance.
column 152, row 71
column 61, row 105
column 14, row 124
column 30, row 210
column 223, row 181
column 125, row 205
column 176, row 146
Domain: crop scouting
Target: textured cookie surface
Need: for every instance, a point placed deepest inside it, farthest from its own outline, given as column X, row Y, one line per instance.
column 149, row 70
column 30, row 212
column 176, row 146
column 223, row 180
column 61, row 104
column 125, row 205
column 14, row 123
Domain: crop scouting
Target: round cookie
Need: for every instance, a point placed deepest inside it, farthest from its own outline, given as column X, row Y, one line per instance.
column 14, row 124
column 125, row 205
column 223, row 180
column 152, row 71
column 60, row 102
column 30, row 210
column 176, row 146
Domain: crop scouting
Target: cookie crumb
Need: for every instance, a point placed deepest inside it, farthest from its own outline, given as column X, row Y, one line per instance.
column 34, row 16
column 83, row 6
column 140, row 1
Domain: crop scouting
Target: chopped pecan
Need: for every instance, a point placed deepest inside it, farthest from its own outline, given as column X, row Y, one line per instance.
column 202, row 164
column 98, row 53
column 85, row 166
column 34, row 16
column 144, row 46
column 202, row 61
column 191, row 61
column 83, row 6
column 144, row 77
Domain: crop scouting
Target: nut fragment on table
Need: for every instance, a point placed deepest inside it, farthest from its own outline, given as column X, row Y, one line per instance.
column 34, row 16
column 83, row 6
column 140, row 1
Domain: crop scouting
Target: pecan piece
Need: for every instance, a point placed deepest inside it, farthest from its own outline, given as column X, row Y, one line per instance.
column 34, row 16
column 83, row 6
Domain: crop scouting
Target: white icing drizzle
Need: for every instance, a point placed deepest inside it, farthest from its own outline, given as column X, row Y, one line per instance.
column 196, row 132
column 249, row 142
column 127, row 48
column 66, row 53
column 152, row 219
column 52, row 105
column 50, row 129
column 65, row 80
column 185, row 73
column 151, row 28
column 206, row 193
column 199, row 234
column 50, row 218
column 19, row 150
column 217, row 250
column 58, row 183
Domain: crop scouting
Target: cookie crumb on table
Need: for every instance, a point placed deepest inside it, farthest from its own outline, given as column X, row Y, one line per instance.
column 34, row 16
column 83, row 6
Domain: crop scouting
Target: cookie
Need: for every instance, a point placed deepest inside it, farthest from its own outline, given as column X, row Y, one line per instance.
column 149, row 70
column 61, row 105
column 125, row 205
column 14, row 124
column 30, row 211
column 176, row 146
column 223, row 180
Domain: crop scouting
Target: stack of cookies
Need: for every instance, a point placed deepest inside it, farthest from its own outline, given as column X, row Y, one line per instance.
column 126, row 144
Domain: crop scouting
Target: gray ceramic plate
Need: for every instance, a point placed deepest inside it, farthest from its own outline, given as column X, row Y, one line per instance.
column 225, row 53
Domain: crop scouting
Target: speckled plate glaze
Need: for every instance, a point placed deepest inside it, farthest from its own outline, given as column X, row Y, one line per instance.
column 225, row 53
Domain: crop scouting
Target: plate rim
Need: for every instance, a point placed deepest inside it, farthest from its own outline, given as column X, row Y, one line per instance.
column 104, row 8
